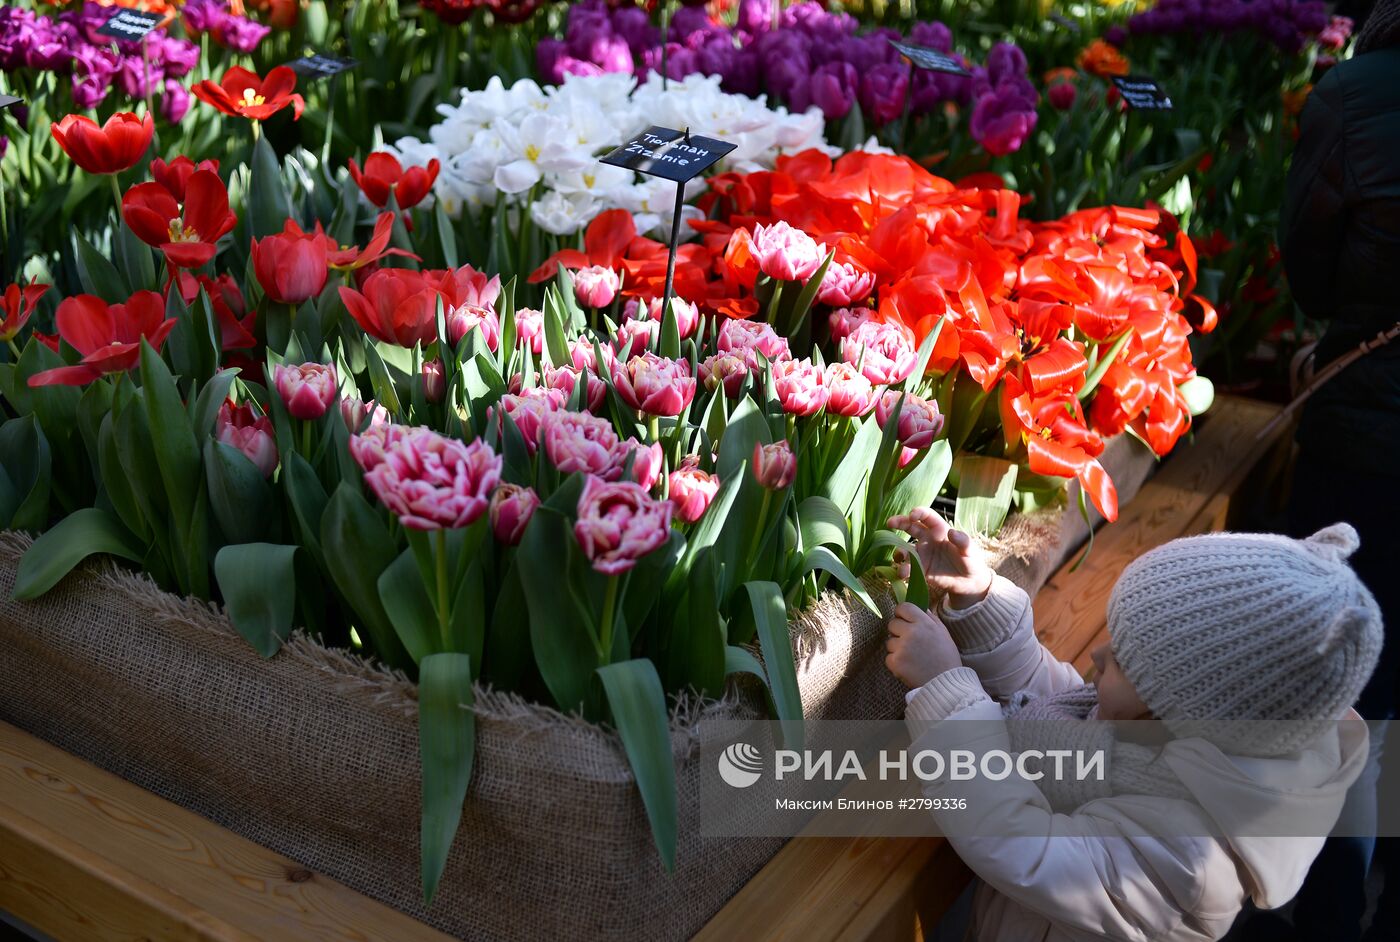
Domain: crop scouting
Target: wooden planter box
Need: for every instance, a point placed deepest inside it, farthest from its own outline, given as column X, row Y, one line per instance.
column 314, row 753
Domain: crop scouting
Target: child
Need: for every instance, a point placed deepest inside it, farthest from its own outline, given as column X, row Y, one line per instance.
column 1169, row 847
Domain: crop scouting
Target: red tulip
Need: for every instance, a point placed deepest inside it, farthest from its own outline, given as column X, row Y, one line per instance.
column 17, row 306
column 396, row 305
column 188, row 239
column 350, row 258
column 292, row 265
column 383, row 174
column 115, row 146
column 225, row 297
column 175, row 176
column 107, row 335
column 243, row 94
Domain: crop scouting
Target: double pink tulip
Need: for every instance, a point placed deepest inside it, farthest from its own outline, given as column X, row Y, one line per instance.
column 884, row 352
column 691, row 490
column 687, row 314
column 512, row 506
column 635, row 337
column 647, row 461
column 577, row 441
column 469, row 317
column 307, row 389
column 849, row 393
column 528, row 410
column 596, row 286
column 432, row 482
column 774, row 466
column 251, row 434
column 745, row 338
column 723, row 369
column 800, row 387
column 785, row 253
column 529, row 330
column 654, row 385
column 919, row 419
column 619, row 523
column 845, row 283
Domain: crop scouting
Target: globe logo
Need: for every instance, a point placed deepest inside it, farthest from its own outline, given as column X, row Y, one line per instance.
column 740, row 765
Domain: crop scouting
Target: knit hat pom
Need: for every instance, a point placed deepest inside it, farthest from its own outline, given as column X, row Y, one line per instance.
column 1336, row 542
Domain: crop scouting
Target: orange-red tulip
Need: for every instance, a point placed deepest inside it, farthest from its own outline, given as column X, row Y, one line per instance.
column 115, row 146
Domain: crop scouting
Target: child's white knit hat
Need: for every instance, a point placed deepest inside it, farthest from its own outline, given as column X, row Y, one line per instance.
column 1274, row 635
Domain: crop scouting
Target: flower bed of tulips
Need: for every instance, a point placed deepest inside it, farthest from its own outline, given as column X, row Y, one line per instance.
column 375, row 390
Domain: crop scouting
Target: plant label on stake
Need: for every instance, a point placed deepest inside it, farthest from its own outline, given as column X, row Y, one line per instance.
column 1142, row 93
column 1065, row 21
column 926, row 58
column 129, row 24
column 317, row 66
column 671, row 155
column 8, row 101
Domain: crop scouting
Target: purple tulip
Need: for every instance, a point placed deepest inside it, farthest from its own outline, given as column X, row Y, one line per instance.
column 833, row 89
column 1001, row 123
column 932, row 35
column 883, row 91
column 175, row 102
column 634, row 26
column 1006, row 60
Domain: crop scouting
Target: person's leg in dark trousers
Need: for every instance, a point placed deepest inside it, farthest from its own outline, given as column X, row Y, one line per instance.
column 1333, row 898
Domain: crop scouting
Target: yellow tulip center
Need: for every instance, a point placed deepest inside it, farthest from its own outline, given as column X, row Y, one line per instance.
column 251, row 98
column 532, row 153
column 179, row 233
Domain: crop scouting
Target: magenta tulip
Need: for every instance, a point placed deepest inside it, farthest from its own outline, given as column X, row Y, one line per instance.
column 577, row 441
column 691, row 490
column 919, row 419
column 251, row 434
column 647, row 461
column 884, row 352
column 723, row 369
column 528, row 411
column 432, row 482
column 512, row 506
column 307, row 389
column 434, row 383
column 800, row 388
column 745, row 338
column 654, row 385
column 619, row 523
column 774, row 466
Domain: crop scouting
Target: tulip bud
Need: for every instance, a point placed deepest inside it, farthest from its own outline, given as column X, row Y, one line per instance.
column 1062, row 95
column 774, row 466
column 238, row 427
column 307, row 390
column 596, row 286
column 434, row 383
column 355, row 411
column 691, row 490
column 512, row 506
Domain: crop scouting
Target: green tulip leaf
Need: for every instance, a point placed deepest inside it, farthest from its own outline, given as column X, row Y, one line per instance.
column 447, row 747
column 638, row 706
column 77, row 536
column 259, row 586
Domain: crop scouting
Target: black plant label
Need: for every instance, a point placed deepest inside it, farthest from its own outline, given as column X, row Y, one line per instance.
column 668, row 153
column 317, row 66
column 926, row 58
column 129, row 24
column 1142, row 93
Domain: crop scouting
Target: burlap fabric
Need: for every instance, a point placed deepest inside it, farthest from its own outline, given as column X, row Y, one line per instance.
column 314, row 753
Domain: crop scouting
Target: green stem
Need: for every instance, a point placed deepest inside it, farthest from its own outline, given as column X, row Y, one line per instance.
column 306, row 439
column 609, row 616
column 761, row 526
column 444, row 615
column 13, row 349
column 116, row 195
column 257, row 131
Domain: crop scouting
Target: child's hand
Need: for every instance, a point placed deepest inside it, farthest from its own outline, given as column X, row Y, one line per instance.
column 952, row 561
column 919, row 647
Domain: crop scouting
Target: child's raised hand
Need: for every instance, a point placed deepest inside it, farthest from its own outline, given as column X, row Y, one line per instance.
column 919, row 646
column 952, row 560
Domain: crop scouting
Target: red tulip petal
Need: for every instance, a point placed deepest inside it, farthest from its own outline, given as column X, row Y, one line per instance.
column 85, row 322
column 148, row 209
column 79, row 375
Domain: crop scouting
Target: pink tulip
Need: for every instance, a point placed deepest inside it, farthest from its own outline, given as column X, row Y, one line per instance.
column 647, row 461
column 785, row 253
column 919, row 420
column 370, row 447
column 307, row 389
column 512, row 506
column 774, row 466
column 635, row 337
column 528, row 411
column 434, row 384
column 799, row 386
column 585, row 357
column 529, row 330
column 432, row 482
column 848, row 391
column 654, row 385
column 251, row 434
column 884, row 352
column 596, row 286
column 723, row 369
column 355, row 411
column 844, row 321
column 687, row 314
column 691, row 490
column 564, row 379
column 1062, row 95
column 469, row 317
column 577, row 441
column 619, row 523
column 845, row 283
column 745, row 338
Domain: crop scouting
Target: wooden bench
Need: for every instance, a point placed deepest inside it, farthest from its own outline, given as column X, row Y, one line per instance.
column 830, row 889
column 85, row 855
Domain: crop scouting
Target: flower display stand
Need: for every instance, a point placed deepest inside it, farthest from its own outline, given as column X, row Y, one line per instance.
column 162, row 693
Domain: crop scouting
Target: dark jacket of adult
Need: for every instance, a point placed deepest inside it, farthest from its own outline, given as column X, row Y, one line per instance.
column 1340, row 238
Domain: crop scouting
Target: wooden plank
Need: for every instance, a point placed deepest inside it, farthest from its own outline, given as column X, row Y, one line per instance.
column 852, row 889
column 85, row 855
